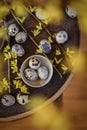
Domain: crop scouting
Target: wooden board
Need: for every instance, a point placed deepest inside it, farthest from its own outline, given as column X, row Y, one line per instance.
column 57, row 85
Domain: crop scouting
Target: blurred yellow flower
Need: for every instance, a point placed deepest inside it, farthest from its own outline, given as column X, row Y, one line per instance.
column 3, row 32
column 18, row 84
column 79, row 62
column 48, row 117
column 18, row 8
column 81, row 7
column 64, row 68
column 4, row 10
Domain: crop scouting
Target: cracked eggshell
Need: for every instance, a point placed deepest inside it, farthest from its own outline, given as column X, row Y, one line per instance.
column 31, row 74
column 18, row 49
column 8, row 100
column 71, row 12
column 21, row 37
column 34, row 63
column 22, row 99
column 45, row 46
column 13, row 29
column 61, row 37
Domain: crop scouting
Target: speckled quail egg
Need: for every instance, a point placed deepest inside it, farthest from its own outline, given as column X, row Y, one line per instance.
column 71, row 12
column 23, row 99
column 34, row 63
column 21, row 37
column 13, row 29
column 43, row 72
column 18, row 49
column 31, row 74
column 8, row 100
column 61, row 37
column 45, row 46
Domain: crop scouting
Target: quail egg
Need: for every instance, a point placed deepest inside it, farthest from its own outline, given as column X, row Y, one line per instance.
column 31, row 74
column 13, row 29
column 61, row 37
column 23, row 99
column 45, row 46
column 34, row 63
column 43, row 73
column 21, row 37
column 8, row 100
column 18, row 49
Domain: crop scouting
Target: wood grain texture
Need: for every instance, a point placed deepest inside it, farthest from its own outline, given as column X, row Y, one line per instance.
column 74, row 103
column 56, row 83
column 75, row 97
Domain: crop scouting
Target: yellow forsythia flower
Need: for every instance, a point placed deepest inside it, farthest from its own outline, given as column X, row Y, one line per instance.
column 18, row 8
column 7, row 56
column 39, row 51
column 36, row 32
column 7, row 48
column 58, row 52
column 69, row 53
column 32, row 9
column 3, row 32
column 21, row 19
column 58, row 60
column 24, row 89
column 50, row 39
column 21, row 86
column 64, row 68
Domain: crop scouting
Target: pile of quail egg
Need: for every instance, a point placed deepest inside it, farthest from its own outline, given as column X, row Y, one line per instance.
column 36, row 70
column 62, row 36
column 9, row 100
column 19, row 36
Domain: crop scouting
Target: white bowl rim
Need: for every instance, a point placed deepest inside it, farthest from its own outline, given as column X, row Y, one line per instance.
column 47, row 80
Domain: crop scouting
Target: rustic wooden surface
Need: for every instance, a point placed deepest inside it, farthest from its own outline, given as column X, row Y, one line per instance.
column 73, row 102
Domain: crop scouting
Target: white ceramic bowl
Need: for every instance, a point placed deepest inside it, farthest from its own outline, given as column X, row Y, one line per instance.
column 38, row 83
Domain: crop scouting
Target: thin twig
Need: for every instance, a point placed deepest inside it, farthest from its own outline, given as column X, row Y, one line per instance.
column 2, row 43
column 33, row 40
column 9, row 76
column 49, row 33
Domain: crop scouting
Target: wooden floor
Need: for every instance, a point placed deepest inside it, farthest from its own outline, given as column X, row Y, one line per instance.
column 73, row 103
